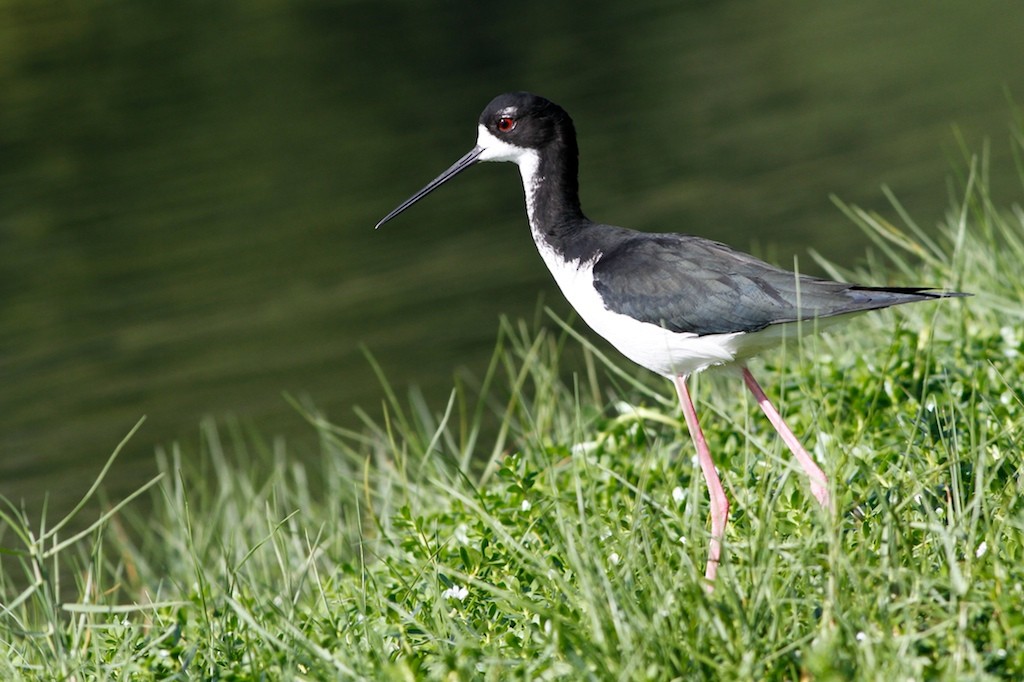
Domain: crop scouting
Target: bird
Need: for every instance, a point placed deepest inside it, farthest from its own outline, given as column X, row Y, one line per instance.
column 673, row 303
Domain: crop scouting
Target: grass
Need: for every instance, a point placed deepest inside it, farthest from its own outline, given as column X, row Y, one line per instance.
column 544, row 527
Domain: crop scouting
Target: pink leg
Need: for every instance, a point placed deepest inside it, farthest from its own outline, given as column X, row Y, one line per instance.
column 819, row 482
column 719, row 502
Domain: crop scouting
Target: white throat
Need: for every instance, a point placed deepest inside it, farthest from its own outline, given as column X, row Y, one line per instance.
column 527, row 159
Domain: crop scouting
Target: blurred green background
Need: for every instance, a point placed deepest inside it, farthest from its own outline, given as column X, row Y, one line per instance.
column 188, row 190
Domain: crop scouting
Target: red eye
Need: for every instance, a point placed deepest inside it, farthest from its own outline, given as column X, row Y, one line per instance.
column 506, row 124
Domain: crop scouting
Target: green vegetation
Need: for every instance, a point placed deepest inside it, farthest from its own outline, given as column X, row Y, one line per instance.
column 543, row 527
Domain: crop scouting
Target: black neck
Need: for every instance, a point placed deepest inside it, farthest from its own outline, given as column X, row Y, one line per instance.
column 556, row 199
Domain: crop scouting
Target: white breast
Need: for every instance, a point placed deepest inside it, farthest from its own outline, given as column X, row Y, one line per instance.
column 659, row 350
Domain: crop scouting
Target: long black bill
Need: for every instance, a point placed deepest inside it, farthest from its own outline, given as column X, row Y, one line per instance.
column 459, row 166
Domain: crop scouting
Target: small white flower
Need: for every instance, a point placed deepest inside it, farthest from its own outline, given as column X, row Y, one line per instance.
column 461, row 534
column 1011, row 341
column 982, row 548
column 678, row 494
column 525, row 506
column 455, row 592
column 861, row 636
column 682, row 539
column 613, row 558
column 622, row 407
column 583, row 448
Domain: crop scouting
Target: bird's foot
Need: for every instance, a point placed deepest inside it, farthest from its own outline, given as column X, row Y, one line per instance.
column 820, row 491
column 709, row 574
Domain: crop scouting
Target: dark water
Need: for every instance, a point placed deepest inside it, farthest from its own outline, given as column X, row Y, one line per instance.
column 187, row 190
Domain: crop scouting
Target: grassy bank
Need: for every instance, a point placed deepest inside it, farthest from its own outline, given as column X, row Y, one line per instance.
column 541, row 527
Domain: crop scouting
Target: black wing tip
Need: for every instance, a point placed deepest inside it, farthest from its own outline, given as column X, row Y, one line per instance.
column 923, row 292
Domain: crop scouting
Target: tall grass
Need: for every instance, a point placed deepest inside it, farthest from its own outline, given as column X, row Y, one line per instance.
column 547, row 523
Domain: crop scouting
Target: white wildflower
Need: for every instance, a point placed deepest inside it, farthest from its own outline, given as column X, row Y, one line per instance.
column 613, row 558
column 584, row 447
column 622, row 407
column 678, row 494
column 982, row 548
column 1011, row 341
column 525, row 506
column 455, row 592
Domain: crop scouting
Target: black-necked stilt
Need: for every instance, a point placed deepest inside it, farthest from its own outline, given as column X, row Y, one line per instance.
column 673, row 303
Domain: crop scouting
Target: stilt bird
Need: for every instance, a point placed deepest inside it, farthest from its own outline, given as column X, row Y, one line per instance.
column 673, row 303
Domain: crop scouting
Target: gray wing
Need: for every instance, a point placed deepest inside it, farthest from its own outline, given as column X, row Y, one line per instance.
column 690, row 284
